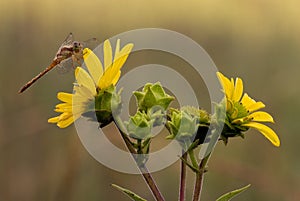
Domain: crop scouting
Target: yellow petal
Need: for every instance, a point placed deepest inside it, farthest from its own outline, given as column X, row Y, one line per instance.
column 62, row 105
column 71, row 109
column 83, row 78
column 105, row 80
column 250, row 104
column 64, row 109
column 65, row 97
column 78, row 110
column 109, row 77
column 93, row 64
column 117, row 50
column 111, row 74
column 121, row 57
column 229, row 105
column 238, row 90
column 234, row 113
column 83, row 92
column 232, row 87
column 255, row 106
column 227, row 85
column 266, row 131
column 66, row 122
column 238, row 121
column 116, row 78
column 107, row 50
column 81, row 100
column 53, row 120
column 65, row 115
column 261, row 116
column 246, row 100
column 119, row 60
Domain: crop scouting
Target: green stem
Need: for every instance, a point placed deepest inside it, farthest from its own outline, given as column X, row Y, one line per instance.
column 139, row 146
column 193, row 158
column 199, row 178
column 145, row 173
column 182, row 177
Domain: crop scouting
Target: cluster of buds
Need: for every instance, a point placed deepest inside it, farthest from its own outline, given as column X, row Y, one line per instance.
column 152, row 104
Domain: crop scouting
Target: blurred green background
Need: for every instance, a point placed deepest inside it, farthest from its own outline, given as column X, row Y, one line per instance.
column 256, row 40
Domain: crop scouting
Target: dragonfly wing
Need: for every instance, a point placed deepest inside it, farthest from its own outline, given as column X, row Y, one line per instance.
column 69, row 40
column 91, row 43
column 65, row 66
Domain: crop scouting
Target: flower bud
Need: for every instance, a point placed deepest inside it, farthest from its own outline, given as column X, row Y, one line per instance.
column 139, row 126
column 153, row 101
column 188, row 125
column 152, row 95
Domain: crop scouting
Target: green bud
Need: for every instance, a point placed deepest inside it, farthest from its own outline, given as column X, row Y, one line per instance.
column 204, row 122
column 153, row 101
column 158, row 115
column 152, row 95
column 188, row 125
column 204, row 117
column 182, row 127
column 139, row 126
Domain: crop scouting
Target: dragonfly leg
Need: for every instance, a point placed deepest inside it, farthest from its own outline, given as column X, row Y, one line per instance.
column 76, row 61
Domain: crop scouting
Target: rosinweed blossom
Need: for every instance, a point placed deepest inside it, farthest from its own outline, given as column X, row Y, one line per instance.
column 242, row 112
column 90, row 87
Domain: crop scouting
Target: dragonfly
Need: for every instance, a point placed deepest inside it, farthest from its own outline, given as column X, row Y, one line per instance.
column 70, row 50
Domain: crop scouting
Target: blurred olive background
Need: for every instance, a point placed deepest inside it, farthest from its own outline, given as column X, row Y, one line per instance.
column 255, row 40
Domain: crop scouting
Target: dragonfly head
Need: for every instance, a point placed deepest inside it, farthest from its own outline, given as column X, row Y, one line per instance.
column 77, row 46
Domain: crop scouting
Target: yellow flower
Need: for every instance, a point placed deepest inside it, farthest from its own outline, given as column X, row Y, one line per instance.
column 242, row 111
column 90, row 84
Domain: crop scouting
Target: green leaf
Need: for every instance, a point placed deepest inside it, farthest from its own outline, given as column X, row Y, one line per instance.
column 194, row 169
column 129, row 193
column 228, row 196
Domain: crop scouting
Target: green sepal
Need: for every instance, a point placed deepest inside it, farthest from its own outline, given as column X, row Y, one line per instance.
column 230, row 129
column 130, row 194
column 107, row 102
column 228, row 196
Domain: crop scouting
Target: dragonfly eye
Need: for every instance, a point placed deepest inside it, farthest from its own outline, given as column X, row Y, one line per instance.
column 76, row 46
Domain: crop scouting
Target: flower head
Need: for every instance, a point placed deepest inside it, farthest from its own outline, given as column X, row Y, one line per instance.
column 242, row 112
column 94, row 90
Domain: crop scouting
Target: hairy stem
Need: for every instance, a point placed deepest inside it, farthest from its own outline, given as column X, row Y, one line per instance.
column 145, row 173
column 199, row 179
column 193, row 158
column 182, row 177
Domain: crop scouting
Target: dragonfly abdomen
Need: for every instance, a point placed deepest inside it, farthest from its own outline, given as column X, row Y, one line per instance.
column 33, row 80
